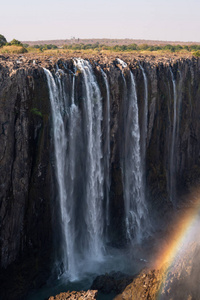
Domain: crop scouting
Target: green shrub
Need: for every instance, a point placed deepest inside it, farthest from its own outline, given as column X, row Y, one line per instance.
column 25, row 45
column 196, row 53
column 36, row 112
column 15, row 42
column 2, row 40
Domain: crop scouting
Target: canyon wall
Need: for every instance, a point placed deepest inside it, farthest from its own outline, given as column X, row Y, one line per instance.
column 28, row 193
column 25, row 193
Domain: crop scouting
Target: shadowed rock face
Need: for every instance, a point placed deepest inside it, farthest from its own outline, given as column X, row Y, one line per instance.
column 25, row 193
column 27, row 183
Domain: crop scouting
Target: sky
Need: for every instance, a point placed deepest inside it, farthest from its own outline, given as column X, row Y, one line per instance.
column 170, row 20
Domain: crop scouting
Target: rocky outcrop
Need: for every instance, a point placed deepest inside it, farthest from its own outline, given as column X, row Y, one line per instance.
column 145, row 286
column 178, row 281
column 89, row 295
column 27, row 183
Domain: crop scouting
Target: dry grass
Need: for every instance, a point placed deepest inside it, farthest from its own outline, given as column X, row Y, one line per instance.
column 12, row 49
column 33, row 50
column 94, row 53
column 112, row 52
column 56, row 52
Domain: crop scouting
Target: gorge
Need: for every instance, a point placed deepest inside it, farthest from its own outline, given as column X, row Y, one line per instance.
column 97, row 155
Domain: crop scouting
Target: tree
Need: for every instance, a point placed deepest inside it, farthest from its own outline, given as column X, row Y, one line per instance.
column 2, row 40
column 16, row 42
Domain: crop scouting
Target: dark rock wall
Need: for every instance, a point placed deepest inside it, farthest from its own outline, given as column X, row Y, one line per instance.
column 160, row 126
column 27, row 185
column 25, row 181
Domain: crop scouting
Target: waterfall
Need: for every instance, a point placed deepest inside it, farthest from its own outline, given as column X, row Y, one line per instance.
column 135, row 206
column 144, row 119
column 136, row 214
column 64, row 161
column 124, row 65
column 94, row 169
column 79, row 168
column 82, row 164
column 107, row 147
column 179, row 103
column 172, row 163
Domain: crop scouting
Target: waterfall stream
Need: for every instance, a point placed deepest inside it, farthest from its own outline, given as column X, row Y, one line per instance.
column 94, row 180
column 79, row 168
column 135, row 207
column 145, row 119
column 107, row 147
column 172, row 163
column 134, row 191
column 82, row 164
column 64, row 168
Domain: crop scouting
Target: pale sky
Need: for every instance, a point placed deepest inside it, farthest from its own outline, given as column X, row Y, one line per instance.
column 172, row 20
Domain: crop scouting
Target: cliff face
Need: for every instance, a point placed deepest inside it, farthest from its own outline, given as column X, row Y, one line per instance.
column 179, row 164
column 28, row 185
column 25, row 193
column 185, row 160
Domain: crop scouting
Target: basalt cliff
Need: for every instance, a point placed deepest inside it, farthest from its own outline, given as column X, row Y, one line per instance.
column 167, row 139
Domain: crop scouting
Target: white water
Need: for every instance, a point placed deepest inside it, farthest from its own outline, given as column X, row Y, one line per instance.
column 60, row 145
column 144, row 120
column 124, row 65
column 94, row 170
column 135, row 206
column 83, row 173
column 172, row 163
column 136, row 213
column 107, row 148
column 79, row 167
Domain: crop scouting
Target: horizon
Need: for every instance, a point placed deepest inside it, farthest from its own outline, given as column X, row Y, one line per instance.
column 111, row 39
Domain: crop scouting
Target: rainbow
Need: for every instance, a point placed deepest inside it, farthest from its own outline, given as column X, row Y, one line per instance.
column 183, row 231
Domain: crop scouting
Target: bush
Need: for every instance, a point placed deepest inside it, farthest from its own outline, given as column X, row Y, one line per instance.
column 2, row 40
column 196, row 53
column 25, row 45
column 15, row 42
column 36, row 112
column 143, row 47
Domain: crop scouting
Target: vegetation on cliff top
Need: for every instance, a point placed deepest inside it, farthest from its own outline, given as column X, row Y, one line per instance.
column 3, row 40
column 133, row 47
column 16, row 46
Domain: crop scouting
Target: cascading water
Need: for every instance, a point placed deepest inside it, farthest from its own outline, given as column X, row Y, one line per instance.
column 179, row 100
column 172, row 163
column 107, row 147
column 94, row 169
column 58, row 105
column 134, row 193
column 136, row 209
column 82, row 163
column 145, row 118
column 79, row 168
column 81, row 137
